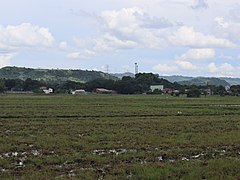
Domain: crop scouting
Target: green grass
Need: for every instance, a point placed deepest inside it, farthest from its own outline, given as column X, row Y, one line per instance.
column 119, row 137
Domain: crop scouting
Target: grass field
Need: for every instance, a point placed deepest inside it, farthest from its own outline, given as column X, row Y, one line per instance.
column 119, row 137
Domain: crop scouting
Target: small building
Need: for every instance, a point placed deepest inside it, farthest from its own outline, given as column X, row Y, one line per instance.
column 156, row 87
column 167, row 91
column 48, row 91
column 104, row 91
column 79, row 91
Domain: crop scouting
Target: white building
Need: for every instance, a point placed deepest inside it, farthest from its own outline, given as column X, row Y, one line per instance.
column 79, row 91
column 156, row 87
column 48, row 91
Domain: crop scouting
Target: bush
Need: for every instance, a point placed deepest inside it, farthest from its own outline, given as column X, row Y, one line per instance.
column 194, row 93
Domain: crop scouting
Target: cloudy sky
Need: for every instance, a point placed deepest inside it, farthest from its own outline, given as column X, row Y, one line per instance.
column 169, row 37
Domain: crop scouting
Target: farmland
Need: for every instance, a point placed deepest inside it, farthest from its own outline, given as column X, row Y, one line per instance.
column 119, row 137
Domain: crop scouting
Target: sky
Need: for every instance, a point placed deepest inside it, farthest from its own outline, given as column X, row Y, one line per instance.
column 168, row 37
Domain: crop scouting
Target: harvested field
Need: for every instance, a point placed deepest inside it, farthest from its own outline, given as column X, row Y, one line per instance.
column 121, row 137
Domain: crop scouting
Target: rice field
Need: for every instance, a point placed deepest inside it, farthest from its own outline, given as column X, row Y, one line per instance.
column 119, row 137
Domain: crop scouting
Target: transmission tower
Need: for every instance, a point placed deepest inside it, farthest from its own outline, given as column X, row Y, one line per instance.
column 107, row 71
column 136, row 68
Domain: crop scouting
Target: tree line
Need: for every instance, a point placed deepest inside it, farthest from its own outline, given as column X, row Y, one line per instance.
column 127, row 85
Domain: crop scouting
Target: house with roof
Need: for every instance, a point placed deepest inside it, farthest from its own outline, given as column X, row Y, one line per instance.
column 104, row 91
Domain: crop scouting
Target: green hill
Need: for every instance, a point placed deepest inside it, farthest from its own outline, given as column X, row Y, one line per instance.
column 52, row 75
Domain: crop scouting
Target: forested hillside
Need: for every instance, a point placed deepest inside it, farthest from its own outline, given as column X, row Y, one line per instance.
column 52, row 75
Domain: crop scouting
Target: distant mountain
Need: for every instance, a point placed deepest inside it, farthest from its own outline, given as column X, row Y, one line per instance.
column 120, row 75
column 176, row 78
column 202, row 80
column 52, row 75
column 231, row 81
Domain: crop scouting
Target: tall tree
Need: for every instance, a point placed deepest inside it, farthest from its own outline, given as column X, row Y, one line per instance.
column 2, row 85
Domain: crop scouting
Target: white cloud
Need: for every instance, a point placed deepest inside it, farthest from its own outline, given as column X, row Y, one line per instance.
column 74, row 55
column 186, row 65
column 226, row 67
column 136, row 24
column 200, row 4
column 103, row 44
column 124, row 21
column 77, row 56
column 4, row 63
column 234, row 12
column 89, row 52
column 63, row 45
column 137, row 27
column 84, row 54
column 212, row 68
column 227, row 28
column 225, row 57
column 128, row 20
column 197, row 54
column 165, row 68
column 221, row 22
column 112, row 43
column 25, row 35
column 14, row 39
column 175, row 67
column 131, row 28
column 187, row 36
column 5, row 59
